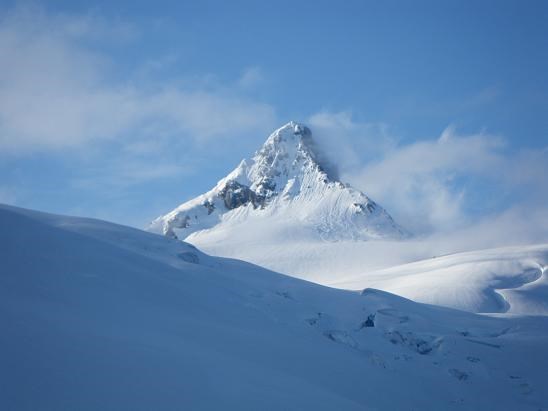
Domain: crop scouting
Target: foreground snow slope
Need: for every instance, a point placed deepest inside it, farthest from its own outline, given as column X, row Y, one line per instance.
column 100, row 316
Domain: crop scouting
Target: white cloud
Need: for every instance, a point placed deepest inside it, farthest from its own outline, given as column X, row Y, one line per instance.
column 56, row 91
column 127, row 173
column 420, row 181
column 436, row 184
column 251, row 77
column 204, row 114
column 348, row 142
column 519, row 224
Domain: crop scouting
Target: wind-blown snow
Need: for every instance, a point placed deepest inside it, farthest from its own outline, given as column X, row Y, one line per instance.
column 286, row 183
column 100, row 316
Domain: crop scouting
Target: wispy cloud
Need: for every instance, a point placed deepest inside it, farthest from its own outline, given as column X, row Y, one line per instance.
column 350, row 142
column 441, row 184
column 251, row 77
column 424, row 180
column 57, row 90
column 125, row 174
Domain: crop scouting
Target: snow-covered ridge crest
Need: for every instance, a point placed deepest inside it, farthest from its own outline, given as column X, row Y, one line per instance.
column 287, row 180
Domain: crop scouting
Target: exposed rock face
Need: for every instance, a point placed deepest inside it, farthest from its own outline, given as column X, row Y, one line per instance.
column 286, row 178
column 235, row 195
column 209, row 206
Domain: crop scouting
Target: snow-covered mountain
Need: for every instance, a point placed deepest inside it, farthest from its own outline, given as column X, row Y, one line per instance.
column 97, row 316
column 277, row 210
column 289, row 184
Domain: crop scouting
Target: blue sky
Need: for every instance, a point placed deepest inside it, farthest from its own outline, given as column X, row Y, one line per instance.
column 123, row 110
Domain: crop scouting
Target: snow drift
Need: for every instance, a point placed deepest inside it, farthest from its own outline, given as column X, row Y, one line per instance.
column 101, row 316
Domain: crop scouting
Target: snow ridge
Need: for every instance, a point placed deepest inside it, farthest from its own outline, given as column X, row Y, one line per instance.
column 288, row 181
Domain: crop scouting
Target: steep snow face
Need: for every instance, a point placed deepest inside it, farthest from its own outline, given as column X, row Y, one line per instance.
column 97, row 316
column 287, row 181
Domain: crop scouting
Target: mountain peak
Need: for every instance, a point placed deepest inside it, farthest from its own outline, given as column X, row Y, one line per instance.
column 292, row 134
column 288, row 178
column 293, row 144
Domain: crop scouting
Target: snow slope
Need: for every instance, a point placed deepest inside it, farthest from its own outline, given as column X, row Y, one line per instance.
column 286, row 184
column 100, row 316
column 508, row 279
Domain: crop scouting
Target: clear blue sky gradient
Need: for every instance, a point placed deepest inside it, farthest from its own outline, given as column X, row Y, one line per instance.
column 416, row 67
